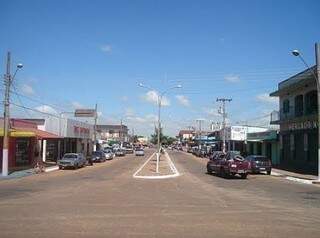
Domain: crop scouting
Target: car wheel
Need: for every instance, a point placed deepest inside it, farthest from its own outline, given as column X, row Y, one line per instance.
column 60, row 167
column 244, row 176
column 76, row 166
column 269, row 172
column 224, row 174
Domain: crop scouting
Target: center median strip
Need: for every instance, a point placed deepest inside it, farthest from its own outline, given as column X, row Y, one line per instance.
column 167, row 168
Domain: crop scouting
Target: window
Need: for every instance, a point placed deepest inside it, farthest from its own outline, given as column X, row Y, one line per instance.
column 298, row 105
column 311, row 102
column 286, row 106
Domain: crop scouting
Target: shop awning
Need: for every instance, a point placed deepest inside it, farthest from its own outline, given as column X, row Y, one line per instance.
column 30, row 132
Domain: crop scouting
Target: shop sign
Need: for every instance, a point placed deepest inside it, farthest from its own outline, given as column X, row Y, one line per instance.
column 302, row 125
column 85, row 113
column 80, row 130
column 265, row 135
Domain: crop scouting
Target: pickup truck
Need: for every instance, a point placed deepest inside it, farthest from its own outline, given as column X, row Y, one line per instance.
column 227, row 165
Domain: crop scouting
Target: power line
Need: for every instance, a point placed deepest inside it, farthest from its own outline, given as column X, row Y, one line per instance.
column 35, row 110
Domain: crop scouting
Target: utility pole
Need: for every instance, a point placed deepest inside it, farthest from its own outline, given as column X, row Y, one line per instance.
column 317, row 51
column 120, row 133
column 222, row 111
column 6, row 120
column 200, row 129
column 95, row 128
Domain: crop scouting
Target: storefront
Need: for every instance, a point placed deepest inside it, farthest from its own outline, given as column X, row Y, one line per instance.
column 264, row 143
column 25, row 143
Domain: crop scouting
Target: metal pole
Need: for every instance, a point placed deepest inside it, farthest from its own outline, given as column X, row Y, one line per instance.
column 95, row 129
column 159, row 131
column 224, row 125
column 317, row 51
column 6, row 121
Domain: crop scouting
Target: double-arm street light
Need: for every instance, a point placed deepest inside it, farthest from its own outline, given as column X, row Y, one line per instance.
column 159, row 102
column 6, row 116
column 317, row 78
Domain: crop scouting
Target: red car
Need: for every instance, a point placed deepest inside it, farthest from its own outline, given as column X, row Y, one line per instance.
column 229, row 164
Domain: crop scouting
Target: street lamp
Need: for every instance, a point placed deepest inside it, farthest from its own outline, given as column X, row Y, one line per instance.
column 6, row 117
column 316, row 75
column 159, row 102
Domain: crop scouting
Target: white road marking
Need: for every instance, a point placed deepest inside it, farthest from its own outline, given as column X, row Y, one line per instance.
column 171, row 165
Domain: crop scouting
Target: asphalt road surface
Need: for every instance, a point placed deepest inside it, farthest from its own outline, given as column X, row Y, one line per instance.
column 106, row 201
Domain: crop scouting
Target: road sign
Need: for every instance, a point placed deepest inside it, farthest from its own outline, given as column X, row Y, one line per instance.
column 85, row 113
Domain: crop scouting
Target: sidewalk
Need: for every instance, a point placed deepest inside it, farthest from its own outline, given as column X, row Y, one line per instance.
column 27, row 172
column 303, row 178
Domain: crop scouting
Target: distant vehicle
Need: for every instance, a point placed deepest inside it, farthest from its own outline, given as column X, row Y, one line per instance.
column 228, row 164
column 139, row 152
column 259, row 163
column 98, row 156
column 120, row 152
column 109, row 154
column 128, row 150
column 72, row 160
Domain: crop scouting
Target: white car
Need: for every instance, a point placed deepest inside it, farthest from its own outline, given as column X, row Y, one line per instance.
column 139, row 152
column 109, row 154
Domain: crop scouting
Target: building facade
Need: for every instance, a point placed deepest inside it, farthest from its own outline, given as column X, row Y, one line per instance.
column 264, row 143
column 118, row 133
column 298, row 120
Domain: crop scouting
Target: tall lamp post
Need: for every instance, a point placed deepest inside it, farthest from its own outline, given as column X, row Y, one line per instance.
column 317, row 77
column 6, row 115
column 159, row 102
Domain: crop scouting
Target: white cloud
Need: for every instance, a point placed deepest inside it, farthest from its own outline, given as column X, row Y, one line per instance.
column 76, row 105
column 212, row 112
column 46, row 109
column 183, row 100
column 152, row 96
column 232, row 78
column 106, row 48
column 265, row 98
column 27, row 89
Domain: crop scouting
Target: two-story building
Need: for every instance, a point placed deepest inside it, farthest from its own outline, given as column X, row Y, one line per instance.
column 298, row 120
column 117, row 133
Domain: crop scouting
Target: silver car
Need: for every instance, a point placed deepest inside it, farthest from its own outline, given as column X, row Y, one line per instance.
column 139, row 152
column 72, row 160
column 109, row 154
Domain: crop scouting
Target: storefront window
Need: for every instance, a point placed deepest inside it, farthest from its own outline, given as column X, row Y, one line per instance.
column 22, row 151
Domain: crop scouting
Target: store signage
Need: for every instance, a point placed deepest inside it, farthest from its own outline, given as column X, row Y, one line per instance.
column 301, row 125
column 265, row 135
column 80, row 130
column 85, row 113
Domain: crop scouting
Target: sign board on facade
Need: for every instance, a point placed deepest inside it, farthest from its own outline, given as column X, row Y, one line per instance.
column 260, row 136
column 85, row 113
column 304, row 125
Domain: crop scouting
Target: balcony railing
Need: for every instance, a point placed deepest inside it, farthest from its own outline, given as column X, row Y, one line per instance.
column 276, row 116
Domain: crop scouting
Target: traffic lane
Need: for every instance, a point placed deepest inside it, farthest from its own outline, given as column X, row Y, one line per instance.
column 105, row 171
column 261, row 185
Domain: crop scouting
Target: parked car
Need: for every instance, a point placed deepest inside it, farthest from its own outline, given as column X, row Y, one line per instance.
column 128, row 150
column 139, row 152
column 72, row 160
column 228, row 164
column 259, row 163
column 120, row 152
column 109, row 154
column 98, row 156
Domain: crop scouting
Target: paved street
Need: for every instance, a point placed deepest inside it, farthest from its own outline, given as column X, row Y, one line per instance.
column 106, row 201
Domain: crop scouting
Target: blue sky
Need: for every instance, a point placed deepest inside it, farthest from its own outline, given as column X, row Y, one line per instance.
column 77, row 53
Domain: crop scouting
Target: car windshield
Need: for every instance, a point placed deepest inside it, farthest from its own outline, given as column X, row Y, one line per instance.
column 70, row 156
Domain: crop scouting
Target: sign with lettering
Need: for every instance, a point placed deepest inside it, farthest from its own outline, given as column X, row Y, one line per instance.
column 85, row 113
column 304, row 125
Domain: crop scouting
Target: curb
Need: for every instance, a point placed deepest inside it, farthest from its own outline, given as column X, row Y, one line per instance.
column 171, row 165
column 51, row 169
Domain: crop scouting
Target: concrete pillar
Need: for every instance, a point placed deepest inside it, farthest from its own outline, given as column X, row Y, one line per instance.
column 233, row 145
column 44, row 150
column 59, row 149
